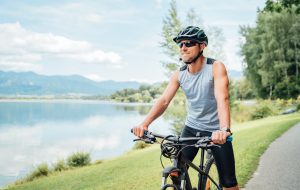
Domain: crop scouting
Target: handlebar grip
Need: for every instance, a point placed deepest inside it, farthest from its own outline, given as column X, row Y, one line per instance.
column 229, row 138
column 145, row 132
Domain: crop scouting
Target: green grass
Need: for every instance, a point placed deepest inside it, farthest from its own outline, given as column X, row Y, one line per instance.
column 141, row 169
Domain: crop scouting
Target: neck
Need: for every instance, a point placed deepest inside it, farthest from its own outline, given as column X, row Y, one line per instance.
column 196, row 66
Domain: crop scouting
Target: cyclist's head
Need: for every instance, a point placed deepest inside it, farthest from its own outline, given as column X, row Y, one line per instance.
column 192, row 33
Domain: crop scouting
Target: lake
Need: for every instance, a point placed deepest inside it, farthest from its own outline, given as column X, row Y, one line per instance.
column 32, row 132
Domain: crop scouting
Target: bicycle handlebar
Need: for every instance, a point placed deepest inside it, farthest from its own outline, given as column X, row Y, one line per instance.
column 150, row 137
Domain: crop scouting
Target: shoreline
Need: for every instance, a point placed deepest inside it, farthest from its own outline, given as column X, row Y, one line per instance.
column 71, row 100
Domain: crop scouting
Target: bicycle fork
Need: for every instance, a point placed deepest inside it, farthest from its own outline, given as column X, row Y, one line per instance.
column 168, row 171
column 180, row 178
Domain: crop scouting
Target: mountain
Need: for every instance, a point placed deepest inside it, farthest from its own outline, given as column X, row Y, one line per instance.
column 30, row 83
column 236, row 75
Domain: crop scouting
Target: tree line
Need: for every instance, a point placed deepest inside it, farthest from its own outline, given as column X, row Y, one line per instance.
column 271, row 50
column 145, row 93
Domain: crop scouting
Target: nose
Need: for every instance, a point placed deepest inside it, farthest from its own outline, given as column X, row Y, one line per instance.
column 183, row 48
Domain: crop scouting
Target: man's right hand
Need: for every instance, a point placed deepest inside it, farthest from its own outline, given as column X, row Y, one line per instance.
column 139, row 130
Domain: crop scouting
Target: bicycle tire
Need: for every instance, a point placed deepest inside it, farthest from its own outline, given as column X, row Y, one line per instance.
column 211, row 170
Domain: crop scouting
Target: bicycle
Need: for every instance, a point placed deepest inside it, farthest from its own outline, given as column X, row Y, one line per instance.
column 171, row 147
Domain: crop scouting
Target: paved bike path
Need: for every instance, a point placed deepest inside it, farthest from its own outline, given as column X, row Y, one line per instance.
column 279, row 166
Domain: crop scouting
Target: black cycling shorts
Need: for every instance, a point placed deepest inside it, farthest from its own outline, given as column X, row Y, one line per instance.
column 223, row 156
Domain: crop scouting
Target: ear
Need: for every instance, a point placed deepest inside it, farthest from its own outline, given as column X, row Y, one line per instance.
column 202, row 46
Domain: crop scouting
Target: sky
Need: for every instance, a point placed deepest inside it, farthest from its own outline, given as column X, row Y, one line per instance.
column 108, row 40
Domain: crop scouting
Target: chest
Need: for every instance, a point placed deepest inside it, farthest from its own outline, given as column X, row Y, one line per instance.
column 199, row 86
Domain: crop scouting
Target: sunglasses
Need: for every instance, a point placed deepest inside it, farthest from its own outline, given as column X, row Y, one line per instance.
column 187, row 44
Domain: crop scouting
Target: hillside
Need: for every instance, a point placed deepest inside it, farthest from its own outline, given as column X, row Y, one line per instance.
column 30, row 83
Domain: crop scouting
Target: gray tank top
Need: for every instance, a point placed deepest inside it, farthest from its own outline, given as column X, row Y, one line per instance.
column 201, row 103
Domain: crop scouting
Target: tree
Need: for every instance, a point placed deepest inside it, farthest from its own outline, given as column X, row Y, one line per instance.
column 271, row 53
column 278, row 6
column 172, row 25
column 241, row 89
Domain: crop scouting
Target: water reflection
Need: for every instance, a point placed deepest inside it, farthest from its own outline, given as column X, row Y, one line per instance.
column 33, row 112
column 35, row 132
column 142, row 109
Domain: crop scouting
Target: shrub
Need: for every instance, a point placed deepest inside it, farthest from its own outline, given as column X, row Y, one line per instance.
column 41, row 170
column 98, row 161
column 261, row 111
column 241, row 113
column 79, row 159
column 298, row 107
column 60, row 166
column 140, row 145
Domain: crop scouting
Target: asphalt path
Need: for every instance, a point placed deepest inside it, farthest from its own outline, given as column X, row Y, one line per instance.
column 279, row 166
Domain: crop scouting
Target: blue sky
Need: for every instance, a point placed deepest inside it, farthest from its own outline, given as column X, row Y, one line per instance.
column 107, row 40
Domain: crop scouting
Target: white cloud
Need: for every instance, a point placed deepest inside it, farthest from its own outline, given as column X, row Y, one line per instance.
column 50, row 43
column 22, row 49
column 96, row 57
column 20, row 62
column 18, row 66
column 95, row 77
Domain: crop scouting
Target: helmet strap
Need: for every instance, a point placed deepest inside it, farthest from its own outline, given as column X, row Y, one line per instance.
column 195, row 59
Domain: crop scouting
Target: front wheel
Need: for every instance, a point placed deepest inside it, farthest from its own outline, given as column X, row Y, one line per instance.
column 212, row 171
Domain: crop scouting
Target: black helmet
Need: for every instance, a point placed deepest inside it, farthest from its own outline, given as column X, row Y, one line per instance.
column 191, row 33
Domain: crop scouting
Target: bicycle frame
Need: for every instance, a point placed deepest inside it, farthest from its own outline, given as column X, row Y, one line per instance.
column 179, row 165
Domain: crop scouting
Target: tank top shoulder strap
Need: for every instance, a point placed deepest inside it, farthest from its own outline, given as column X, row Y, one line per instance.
column 184, row 67
column 210, row 61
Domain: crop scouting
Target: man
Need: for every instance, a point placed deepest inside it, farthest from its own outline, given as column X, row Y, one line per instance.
column 205, row 84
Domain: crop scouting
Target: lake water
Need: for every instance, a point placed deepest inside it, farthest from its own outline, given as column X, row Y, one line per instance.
column 32, row 132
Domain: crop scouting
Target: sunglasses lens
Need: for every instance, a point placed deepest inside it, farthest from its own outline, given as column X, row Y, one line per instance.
column 190, row 44
column 187, row 44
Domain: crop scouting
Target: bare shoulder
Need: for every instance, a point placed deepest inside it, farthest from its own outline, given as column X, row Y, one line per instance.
column 172, row 87
column 174, row 77
column 219, row 69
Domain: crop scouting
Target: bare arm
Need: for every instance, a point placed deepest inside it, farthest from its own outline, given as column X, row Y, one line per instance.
column 221, row 93
column 160, row 106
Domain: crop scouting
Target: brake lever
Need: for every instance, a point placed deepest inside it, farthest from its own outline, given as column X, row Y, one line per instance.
column 147, row 140
column 213, row 145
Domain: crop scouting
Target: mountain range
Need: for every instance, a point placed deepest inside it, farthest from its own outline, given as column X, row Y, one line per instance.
column 30, row 83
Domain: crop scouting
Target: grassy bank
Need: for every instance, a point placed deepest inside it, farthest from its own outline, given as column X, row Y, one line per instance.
column 141, row 169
